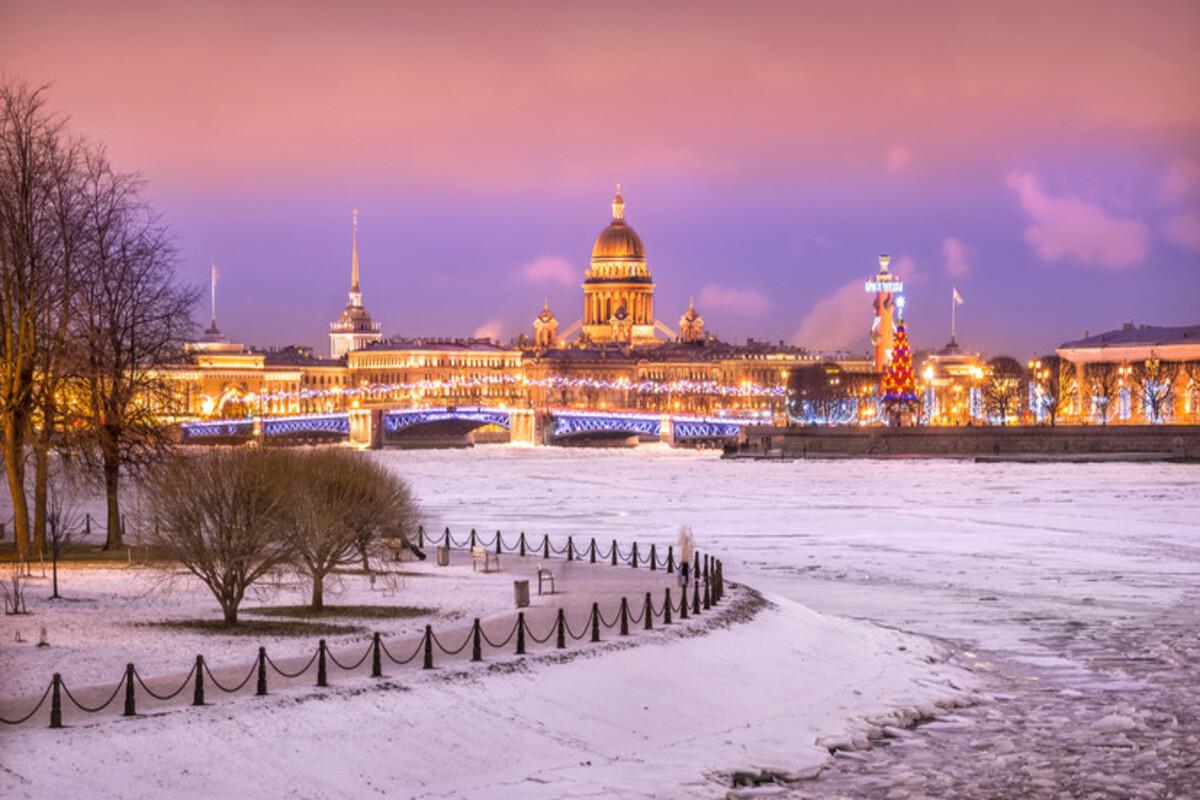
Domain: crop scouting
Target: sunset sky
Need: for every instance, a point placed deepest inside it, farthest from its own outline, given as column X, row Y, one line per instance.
column 1042, row 157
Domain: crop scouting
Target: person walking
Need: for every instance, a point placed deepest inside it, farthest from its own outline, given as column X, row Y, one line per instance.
column 686, row 545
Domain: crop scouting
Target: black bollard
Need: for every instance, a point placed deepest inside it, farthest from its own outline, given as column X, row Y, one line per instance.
column 476, row 642
column 667, row 607
column 649, row 613
column 696, row 570
column 498, row 540
column 87, row 525
column 595, row 622
column 624, row 617
column 421, row 536
column 696, row 597
column 653, row 558
column 545, row 545
column 130, row 710
column 683, row 606
column 706, row 565
column 520, row 633
column 707, row 595
column 472, row 538
column 322, row 674
column 570, row 548
column 670, row 559
column 614, row 553
column 376, row 657
column 428, row 663
column 522, row 545
column 633, row 557
column 593, row 548
column 261, row 689
column 446, row 538
column 56, row 701
column 198, row 691
column 562, row 630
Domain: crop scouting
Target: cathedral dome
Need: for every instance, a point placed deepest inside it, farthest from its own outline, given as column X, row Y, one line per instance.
column 618, row 242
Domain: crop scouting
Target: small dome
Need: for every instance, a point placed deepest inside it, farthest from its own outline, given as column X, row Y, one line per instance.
column 618, row 242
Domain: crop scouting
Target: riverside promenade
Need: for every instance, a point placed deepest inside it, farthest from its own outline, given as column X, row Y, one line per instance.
column 593, row 602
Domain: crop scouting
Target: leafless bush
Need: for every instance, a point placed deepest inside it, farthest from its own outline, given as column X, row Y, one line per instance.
column 220, row 513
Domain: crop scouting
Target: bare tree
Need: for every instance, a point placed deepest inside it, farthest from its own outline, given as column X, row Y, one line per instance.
column 1191, row 370
column 1002, row 386
column 821, row 393
column 1103, row 382
column 1155, row 382
column 324, row 492
column 32, row 152
column 384, row 508
column 220, row 514
column 1059, row 388
column 62, row 520
column 132, row 319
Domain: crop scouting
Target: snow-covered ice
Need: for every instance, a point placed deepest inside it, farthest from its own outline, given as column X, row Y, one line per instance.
column 1066, row 592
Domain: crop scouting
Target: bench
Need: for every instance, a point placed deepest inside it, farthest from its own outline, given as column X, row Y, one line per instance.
column 481, row 555
column 544, row 574
column 397, row 546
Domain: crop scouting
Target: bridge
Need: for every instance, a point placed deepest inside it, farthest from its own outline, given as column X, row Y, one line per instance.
column 450, row 425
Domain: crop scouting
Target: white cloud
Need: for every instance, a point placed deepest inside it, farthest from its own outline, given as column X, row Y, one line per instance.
column 732, row 300
column 840, row 321
column 954, row 258
column 549, row 269
column 492, row 329
column 1070, row 227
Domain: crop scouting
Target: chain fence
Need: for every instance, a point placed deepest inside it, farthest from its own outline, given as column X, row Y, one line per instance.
column 706, row 585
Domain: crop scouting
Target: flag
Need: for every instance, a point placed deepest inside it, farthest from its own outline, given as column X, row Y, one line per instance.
column 957, row 297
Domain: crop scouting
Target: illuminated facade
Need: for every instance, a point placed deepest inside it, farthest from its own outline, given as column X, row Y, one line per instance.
column 354, row 329
column 887, row 288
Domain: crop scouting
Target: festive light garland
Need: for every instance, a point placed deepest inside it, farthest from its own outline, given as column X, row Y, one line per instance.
column 899, row 381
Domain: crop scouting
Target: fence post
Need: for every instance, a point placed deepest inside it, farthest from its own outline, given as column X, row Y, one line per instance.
column 472, row 538
column 130, row 709
column 667, row 607
column 522, row 545
column 198, row 691
column 56, row 701
column 322, row 675
column 87, row 525
column 545, row 545
column 670, row 559
column 520, row 633
column 614, row 553
column 262, row 672
column 653, row 558
column 649, row 613
column 570, row 548
column 562, row 629
column 476, row 643
column 593, row 549
column 706, row 565
column 707, row 595
column 428, row 664
column 624, row 617
column 595, row 622
column 376, row 657
column 421, row 536
column 498, row 550
column 633, row 557
column 446, row 538
column 683, row 607
column 696, row 596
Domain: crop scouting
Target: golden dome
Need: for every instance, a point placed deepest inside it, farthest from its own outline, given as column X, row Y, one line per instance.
column 618, row 242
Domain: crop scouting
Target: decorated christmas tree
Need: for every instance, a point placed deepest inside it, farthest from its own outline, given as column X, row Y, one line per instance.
column 899, row 384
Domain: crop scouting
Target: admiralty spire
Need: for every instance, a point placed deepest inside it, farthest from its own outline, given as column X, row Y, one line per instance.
column 354, row 329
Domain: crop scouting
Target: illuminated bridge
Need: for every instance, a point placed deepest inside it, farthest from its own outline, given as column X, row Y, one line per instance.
column 452, row 424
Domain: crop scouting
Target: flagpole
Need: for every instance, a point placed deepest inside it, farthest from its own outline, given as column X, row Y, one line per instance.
column 212, row 288
column 953, row 313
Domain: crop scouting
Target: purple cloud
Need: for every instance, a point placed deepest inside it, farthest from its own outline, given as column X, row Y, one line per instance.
column 731, row 300
column 549, row 269
column 954, row 258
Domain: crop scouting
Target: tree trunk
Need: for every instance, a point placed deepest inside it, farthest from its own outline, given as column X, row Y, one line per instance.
column 362, row 551
column 41, row 477
column 112, row 474
column 14, row 467
column 230, row 611
column 318, row 592
column 54, row 570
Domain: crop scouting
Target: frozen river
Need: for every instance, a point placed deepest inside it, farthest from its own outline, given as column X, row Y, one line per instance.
column 1072, row 589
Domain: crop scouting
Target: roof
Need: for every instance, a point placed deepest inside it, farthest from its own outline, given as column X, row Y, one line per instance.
column 440, row 344
column 1138, row 335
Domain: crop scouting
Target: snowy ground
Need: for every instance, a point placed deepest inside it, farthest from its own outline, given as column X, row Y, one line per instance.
column 1068, row 592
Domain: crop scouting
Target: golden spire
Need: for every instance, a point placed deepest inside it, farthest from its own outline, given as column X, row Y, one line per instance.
column 354, row 258
column 618, row 205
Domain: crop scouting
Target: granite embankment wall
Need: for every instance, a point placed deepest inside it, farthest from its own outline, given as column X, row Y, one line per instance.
column 1035, row 442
